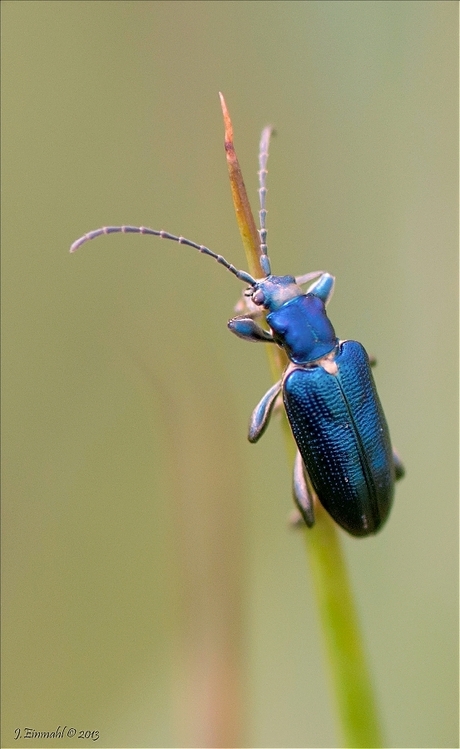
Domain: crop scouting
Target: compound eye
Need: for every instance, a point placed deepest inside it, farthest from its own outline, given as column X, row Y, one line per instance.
column 258, row 297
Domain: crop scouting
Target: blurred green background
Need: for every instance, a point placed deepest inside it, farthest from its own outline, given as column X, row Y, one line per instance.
column 151, row 588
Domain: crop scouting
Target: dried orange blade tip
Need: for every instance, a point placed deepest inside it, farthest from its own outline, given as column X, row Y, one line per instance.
column 227, row 120
column 244, row 217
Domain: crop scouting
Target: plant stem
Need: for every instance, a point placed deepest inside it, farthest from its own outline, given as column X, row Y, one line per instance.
column 350, row 677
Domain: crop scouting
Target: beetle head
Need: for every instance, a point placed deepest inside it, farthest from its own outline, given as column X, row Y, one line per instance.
column 274, row 291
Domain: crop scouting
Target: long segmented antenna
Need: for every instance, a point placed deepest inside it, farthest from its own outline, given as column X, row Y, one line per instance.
column 240, row 274
column 263, row 158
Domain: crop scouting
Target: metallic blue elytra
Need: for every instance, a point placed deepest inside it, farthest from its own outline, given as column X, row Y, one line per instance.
column 342, row 435
column 343, row 444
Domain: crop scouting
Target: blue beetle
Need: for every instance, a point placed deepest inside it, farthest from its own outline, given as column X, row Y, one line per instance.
column 331, row 402
column 343, row 444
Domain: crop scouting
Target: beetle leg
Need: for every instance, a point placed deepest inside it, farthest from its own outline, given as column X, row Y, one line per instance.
column 323, row 287
column 300, row 280
column 372, row 361
column 262, row 412
column 245, row 327
column 399, row 468
column 302, row 496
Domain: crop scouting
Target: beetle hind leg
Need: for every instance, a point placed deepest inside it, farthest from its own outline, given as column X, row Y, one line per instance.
column 398, row 465
column 301, row 492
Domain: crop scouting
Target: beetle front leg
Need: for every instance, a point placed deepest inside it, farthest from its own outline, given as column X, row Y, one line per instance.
column 262, row 412
column 245, row 327
column 301, row 492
